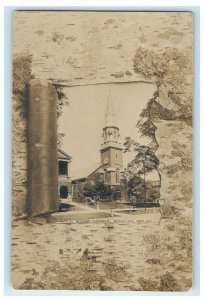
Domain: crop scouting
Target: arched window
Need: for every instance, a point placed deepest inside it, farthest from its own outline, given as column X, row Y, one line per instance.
column 63, row 192
column 105, row 176
column 117, row 176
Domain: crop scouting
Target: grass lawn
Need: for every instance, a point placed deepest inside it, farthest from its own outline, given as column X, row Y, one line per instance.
column 112, row 205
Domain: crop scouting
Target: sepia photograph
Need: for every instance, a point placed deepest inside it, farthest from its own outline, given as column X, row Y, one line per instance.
column 102, row 151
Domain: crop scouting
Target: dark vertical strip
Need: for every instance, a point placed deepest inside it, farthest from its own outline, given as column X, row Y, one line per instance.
column 42, row 149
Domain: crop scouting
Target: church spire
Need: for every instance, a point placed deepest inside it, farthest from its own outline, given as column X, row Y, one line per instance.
column 111, row 148
column 111, row 132
column 110, row 114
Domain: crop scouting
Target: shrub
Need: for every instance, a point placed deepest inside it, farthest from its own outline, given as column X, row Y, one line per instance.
column 151, row 241
column 148, row 284
column 168, row 283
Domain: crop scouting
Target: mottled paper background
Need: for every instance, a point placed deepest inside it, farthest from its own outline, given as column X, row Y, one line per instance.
column 134, row 252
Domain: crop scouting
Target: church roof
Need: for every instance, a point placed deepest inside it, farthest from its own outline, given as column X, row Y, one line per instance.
column 110, row 114
column 85, row 172
column 63, row 155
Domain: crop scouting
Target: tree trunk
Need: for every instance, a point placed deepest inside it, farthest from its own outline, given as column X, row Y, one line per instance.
column 42, row 149
column 145, row 200
column 159, row 176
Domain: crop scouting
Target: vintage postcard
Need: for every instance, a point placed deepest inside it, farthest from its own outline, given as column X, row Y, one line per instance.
column 102, row 151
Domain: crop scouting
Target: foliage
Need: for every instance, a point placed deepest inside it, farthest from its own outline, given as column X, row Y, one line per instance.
column 21, row 73
column 78, row 192
column 144, row 162
column 153, row 193
column 171, row 70
column 95, row 187
column 62, row 99
column 167, row 211
column 116, row 192
column 148, row 284
column 155, row 110
column 145, row 159
column 114, row 270
column 185, row 238
column 151, row 241
column 168, row 64
column 185, row 234
column 146, row 127
column 135, row 188
column 60, row 137
column 168, row 283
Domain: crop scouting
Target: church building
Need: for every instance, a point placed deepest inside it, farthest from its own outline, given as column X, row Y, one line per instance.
column 111, row 148
column 111, row 152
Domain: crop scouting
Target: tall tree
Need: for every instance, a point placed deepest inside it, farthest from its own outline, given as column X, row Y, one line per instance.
column 135, row 188
column 144, row 162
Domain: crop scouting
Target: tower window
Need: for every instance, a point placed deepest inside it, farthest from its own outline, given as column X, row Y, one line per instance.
column 105, row 177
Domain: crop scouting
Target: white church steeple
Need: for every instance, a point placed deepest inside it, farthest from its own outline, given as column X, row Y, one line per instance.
column 111, row 148
column 110, row 114
column 111, row 132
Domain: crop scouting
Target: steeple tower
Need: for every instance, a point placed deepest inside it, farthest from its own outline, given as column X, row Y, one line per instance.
column 111, row 148
column 111, row 132
column 110, row 114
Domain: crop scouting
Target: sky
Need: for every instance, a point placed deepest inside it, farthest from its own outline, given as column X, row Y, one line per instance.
column 83, row 119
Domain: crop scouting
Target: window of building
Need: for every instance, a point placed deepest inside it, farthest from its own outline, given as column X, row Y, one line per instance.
column 117, row 176
column 63, row 167
column 64, row 192
column 105, row 177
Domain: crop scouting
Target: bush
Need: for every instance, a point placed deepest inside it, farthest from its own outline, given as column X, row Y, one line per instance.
column 167, row 211
column 151, row 241
column 168, row 283
column 185, row 239
column 21, row 73
column 148, row 284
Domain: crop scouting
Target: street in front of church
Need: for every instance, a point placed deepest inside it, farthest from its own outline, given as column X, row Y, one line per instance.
column 92, row 251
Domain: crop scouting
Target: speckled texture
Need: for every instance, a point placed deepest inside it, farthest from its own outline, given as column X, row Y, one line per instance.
column 55, row 255
column 75, row 48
